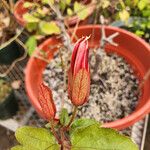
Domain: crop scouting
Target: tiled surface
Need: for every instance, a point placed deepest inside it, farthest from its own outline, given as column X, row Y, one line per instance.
column 7, row 139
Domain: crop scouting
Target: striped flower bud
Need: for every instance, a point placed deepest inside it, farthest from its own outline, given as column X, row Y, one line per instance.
column 79, row 74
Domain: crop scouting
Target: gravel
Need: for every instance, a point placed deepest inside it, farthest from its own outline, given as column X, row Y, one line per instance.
column 113, row 84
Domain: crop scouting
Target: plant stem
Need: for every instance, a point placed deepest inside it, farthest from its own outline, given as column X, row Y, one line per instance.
column 41, row 58
column 65, row 142
column 122, row 4
column 64, row 77
column 74, row 31
column 62, row 26
column 73, row 116
column 54, row 132
column 6, row 5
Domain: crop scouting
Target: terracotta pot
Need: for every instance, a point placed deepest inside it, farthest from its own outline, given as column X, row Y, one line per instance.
column 135, row 50
column 19, row 11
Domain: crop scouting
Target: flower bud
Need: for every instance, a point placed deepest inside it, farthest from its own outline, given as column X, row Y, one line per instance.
column 46, row 101
column 78, row 74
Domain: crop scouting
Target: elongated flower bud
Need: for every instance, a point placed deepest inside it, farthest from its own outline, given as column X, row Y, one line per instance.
column 78, row 74
column 46, row 101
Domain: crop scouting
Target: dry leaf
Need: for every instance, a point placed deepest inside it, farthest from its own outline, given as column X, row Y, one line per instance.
column 46, row 102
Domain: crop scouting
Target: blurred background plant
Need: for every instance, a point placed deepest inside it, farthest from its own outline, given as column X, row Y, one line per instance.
column 8, row 24
column 133, row 15
column 5, row 89
column 42, row 20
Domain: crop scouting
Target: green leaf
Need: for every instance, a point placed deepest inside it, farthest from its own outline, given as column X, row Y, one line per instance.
column 97, row 138
column 31, row 27
column 18, row 147
column 142, row 4
column 124, row 15
column 30, row 18
column 49, row 28
column 139, row 33
column 146, row 13
column 37, row 138
column 81, row 10
column 69, row 11
column 135, row 2
column 49, row 2
column 67, row 2
column 48, row 126
column 64, row 117
column 83, row 123
column 28, row 4
column 104, row 3
column 62, row 5
column 31, row 44
column 40, row 12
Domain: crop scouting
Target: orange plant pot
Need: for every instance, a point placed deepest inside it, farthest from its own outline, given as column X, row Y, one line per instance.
column 19, row 11
column 135, row 50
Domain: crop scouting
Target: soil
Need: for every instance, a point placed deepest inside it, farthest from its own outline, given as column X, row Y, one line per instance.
column 113, row 87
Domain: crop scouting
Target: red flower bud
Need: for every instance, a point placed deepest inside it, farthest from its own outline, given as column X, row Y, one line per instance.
column 78, row 74
column 79, row 58
column 46, row 101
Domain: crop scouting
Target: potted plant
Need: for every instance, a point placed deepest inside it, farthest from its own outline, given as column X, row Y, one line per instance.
column 130, row 52
column 65, row 132
column 9, row 32
column 8, row 102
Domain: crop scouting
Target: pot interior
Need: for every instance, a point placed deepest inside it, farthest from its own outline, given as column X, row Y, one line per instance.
column 129, row 46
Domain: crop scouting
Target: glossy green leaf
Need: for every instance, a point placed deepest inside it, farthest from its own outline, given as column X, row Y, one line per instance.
column 49, row 28
column 81, row 10
column 142, row 4
column 30, row 18
column 67, row 2
column 62, row 5
column 49, row 2
column 104, row 3
column 69, row 12
column 31, row 27
column 96, row 138
column 64, row 117
column 31, row 44
column 139, row 33
column 146, row 13
column 37, row 138
column 124, row 15
column 18, row 147
column 83, row 123
column 40, row 12
column 28, row 4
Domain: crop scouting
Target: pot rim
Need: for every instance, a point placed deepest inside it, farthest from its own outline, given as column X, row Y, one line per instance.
column 118, row 124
